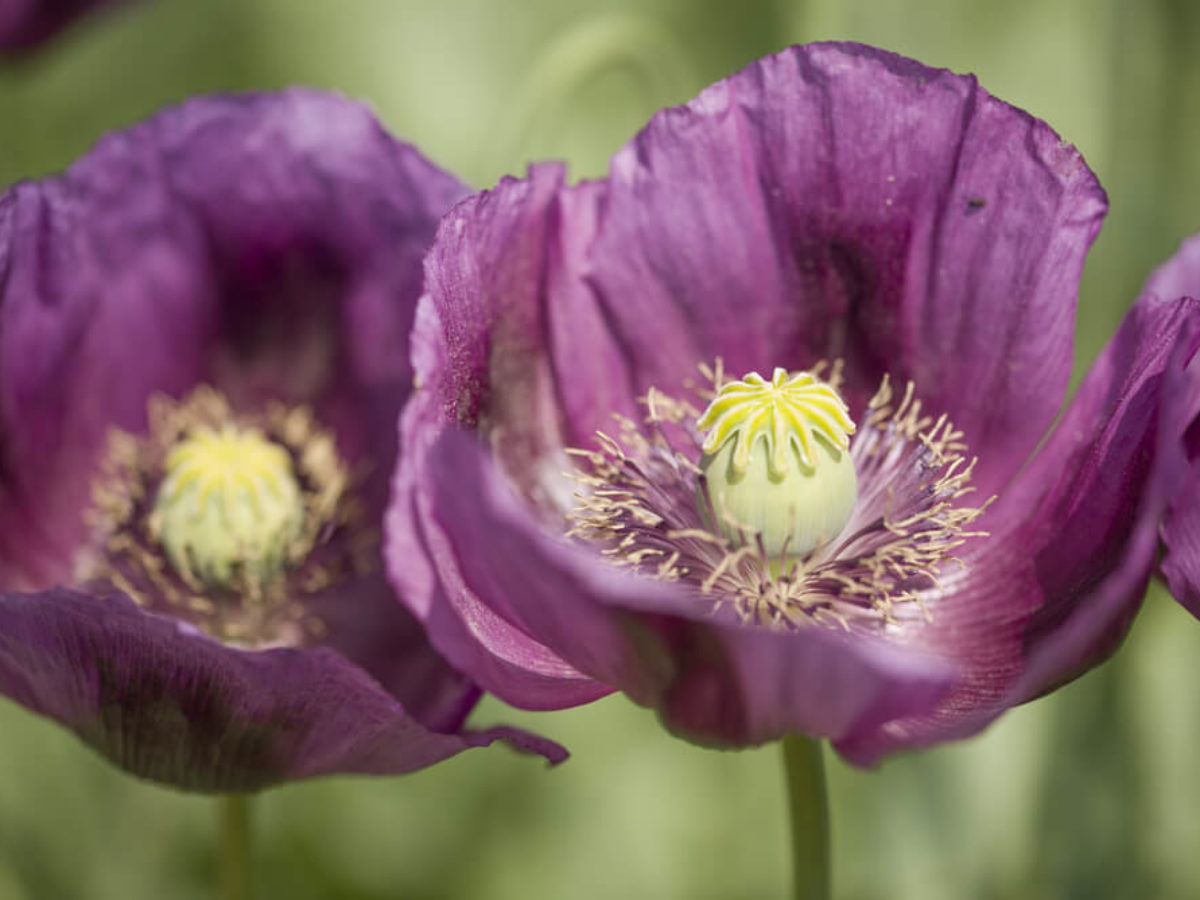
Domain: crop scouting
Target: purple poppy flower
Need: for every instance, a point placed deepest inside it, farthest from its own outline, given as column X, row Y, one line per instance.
column 1180, row 277
column 203, row 332
column 26, row 23
column 915, row 245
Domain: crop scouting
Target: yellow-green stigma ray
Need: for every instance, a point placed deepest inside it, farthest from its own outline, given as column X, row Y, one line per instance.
column 229, row 507
column 789, row 411
column 776, row 465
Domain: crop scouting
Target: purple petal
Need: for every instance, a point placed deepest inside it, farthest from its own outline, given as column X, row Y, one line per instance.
column 1180, row 277
column 713, row 682
column 740, row 686
column 26, row 23
column 364, row 623
column 267, row 244
column 484, row 295
column 536, row 373
column 833, row 201
column 474, row 637
column 1181, row 539
column 1053, row 589
column 171, row 705
column 837, row 201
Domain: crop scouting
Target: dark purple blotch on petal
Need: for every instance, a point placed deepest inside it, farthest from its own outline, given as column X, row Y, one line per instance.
column 170, row 704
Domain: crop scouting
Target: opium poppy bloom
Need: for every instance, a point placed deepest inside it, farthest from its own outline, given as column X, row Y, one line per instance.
column 203, row 334
column 758, row 429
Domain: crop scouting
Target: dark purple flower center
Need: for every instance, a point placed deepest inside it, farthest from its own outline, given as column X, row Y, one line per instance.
column 894, row 549
column 228, row 521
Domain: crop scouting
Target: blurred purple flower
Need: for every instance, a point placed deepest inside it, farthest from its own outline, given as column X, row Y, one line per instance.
column 835, row 205
column 26, row 23
column 1180, row 277
column 238, row 269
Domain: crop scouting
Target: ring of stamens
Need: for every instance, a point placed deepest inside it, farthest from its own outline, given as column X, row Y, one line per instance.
column 249, row 604
column 636, row 499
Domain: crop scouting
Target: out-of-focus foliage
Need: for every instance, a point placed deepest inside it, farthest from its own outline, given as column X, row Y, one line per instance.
column 1088, row 793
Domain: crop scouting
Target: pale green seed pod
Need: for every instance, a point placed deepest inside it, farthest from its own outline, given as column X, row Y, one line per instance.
column 776, row 464
column 228, row 507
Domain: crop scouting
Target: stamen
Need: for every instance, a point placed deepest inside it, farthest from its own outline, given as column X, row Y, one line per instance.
column 645, row 498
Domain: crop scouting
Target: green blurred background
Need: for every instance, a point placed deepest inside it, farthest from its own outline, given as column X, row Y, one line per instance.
column 1090, row 793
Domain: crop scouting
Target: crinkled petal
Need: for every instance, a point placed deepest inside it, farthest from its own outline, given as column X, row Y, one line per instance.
column 267, row 244
column 525, row 354
column 712, row 681
column 169, row 704
column 1181, row 540
column 479, row 640
column 1180, row 531
column 480, row 352
column 832, row 201
column 1054, row 587
column 1180, row 277
column 838, row 201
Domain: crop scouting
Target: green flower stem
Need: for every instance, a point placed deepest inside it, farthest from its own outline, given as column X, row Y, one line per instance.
column 808, row 807
column 233, row 813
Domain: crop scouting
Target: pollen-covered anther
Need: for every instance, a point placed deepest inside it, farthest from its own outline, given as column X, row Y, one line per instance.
column 229, row 505
column 775, row 463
